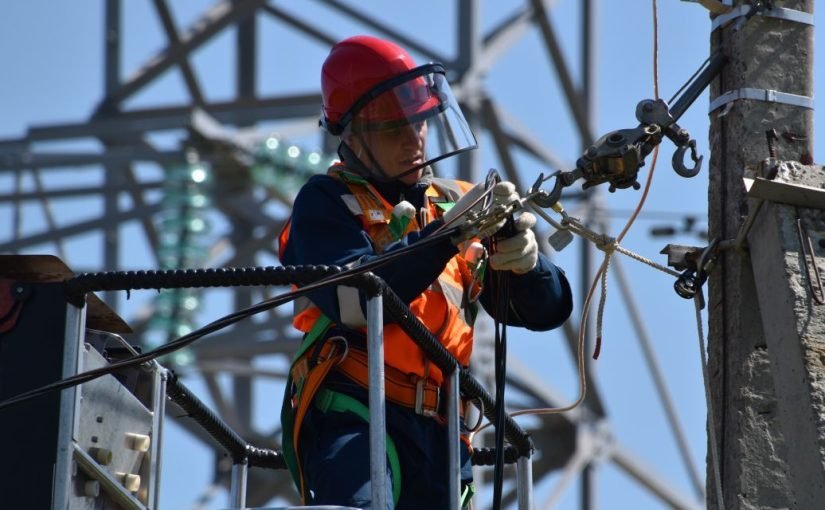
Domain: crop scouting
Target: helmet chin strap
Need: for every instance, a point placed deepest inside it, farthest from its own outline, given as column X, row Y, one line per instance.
column 353, row 161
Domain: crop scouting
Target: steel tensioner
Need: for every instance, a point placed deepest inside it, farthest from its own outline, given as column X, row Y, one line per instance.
column 617, row 157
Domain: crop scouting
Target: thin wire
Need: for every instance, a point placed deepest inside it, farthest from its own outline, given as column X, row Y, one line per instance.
column 608, row 253
column 714, row 444
column 638, row 209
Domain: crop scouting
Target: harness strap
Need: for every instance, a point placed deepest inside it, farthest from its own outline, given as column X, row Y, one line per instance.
column 299, row 390
column 302, row 401
column 401, row 388
column 327, row 400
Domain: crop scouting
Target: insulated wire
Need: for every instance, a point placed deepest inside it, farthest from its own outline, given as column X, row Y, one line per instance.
column 502, row 291
column 223, row 322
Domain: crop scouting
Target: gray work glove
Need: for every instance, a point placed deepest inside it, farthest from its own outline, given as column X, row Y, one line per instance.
column 520, row 252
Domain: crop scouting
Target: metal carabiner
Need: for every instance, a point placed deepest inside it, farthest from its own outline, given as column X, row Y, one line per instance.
column 679, row 160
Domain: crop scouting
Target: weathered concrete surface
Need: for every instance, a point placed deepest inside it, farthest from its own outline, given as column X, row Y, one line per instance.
column 794, row 327
column 766, row 54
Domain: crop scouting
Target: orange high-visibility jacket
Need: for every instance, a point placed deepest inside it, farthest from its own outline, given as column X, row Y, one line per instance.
column 444, row 307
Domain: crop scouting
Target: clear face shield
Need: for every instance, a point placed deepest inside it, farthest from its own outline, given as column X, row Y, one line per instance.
column 408, row 123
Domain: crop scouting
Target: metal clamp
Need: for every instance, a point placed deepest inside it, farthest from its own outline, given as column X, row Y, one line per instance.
column 783, row 13
column 770, row 96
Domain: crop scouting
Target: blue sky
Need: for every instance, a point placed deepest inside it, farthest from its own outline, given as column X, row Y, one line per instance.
column 51, row 54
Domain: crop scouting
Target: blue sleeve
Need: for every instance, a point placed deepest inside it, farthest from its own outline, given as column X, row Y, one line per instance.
column 324, row 231
column 540, row 299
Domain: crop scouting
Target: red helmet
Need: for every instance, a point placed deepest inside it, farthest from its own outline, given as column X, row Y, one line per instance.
column 352, row 77
column 372, row 85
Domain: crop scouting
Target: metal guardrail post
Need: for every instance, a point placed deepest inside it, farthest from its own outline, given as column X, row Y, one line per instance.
column 524, row 478
column 453, row 440
column 237, row 484
column 378, row 429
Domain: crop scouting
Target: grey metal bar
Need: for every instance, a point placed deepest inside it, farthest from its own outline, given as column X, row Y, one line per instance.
column 521, row 137
column 79, row 228
column 111, row 43
column 524, row 479
column 111, row 244
column 235, row 112
column 453, row 440
column 237, row 485
column 396, row 36
column 570, row 91
column 588, row 63
column 17, row 216
column 378, row 429
column 112, row 487
column 491, row 122
column 69, row 403
column 47, row 212
column 215, row 20
column 72, row 160
column 306, row 28
column 649, row 479
column 502, row 37
column 246, row 56
column 174, row 40
column 159, row 404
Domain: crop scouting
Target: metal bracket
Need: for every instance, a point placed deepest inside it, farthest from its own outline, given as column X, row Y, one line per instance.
column 770, row 96
column 784, row 13
column 785, row 192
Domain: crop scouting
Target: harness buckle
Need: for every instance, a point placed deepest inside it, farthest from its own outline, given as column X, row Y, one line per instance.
column 419, row 399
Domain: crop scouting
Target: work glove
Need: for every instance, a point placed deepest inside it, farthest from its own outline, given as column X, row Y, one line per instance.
column 519, row 252
column 504, row 192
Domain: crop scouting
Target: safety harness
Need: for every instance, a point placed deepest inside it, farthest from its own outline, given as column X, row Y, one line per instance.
column 318, row 353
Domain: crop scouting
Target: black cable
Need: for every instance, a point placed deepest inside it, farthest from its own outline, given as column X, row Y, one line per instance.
column 502, row 292
column 140, row 279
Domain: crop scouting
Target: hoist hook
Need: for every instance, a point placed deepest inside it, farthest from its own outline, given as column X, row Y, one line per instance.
column 679, row 160
column 563, row 179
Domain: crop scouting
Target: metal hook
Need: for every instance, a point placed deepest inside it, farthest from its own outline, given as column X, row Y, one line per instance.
column 679, row 160
column 563, row 179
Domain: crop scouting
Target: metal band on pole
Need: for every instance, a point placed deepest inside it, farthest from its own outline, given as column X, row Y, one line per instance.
column 378, row 430
column 769, row 96
column 782, row 13
column 453, row 441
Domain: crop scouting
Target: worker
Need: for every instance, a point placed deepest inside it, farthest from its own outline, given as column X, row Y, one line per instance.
column 394, row 120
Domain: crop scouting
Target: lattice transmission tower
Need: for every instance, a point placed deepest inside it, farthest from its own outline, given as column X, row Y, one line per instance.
column 208, row 181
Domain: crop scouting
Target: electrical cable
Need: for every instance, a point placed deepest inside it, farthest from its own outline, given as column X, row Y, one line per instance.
column 338, row 276
column 501, row 290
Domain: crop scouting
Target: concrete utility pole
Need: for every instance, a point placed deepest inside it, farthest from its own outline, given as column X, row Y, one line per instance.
column 767, row 327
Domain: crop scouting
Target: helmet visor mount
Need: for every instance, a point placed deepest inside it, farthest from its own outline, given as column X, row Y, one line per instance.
column 417, row 103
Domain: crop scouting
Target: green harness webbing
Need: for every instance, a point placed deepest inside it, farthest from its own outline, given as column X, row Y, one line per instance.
column 287, row 413
column 326, row 400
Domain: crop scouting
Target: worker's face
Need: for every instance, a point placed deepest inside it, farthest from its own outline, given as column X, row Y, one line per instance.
column 396, row 150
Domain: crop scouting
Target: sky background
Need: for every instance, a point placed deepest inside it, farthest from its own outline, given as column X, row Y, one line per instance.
column 52, row 59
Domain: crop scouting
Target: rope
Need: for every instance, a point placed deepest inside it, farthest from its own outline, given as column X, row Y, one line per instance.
column 714, row 444
column 607, row 245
